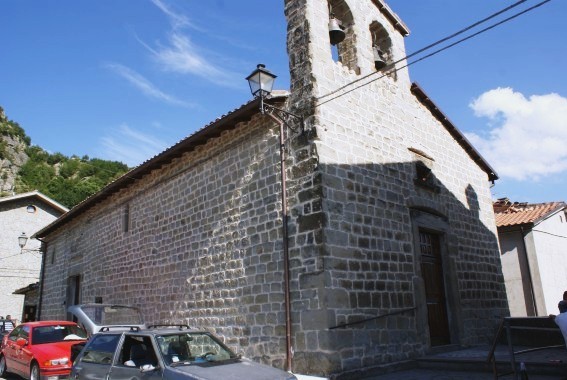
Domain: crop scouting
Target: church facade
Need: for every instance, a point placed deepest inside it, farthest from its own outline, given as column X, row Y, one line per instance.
column 390, row 245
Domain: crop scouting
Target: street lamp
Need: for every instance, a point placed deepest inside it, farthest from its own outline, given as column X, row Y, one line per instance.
column 22, row 240
column 261, row 83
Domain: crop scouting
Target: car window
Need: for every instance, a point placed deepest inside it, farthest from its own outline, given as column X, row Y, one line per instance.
column 57, row 333
column 203, row 344
column 192, row 347
column 19, row 332
column 24, row 332
column 174, row 348
column 137, row 351
column 13, row 335
column 100, row 349
column 112, row 315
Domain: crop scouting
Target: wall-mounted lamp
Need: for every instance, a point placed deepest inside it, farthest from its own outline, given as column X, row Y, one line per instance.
column 22, row 240
column 261, row 83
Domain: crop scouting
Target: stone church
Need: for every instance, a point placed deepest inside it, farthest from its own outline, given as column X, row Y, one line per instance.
column 383, row 247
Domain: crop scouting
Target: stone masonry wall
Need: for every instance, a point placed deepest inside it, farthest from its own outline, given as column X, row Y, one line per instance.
column 368, row 142
column 203, row 245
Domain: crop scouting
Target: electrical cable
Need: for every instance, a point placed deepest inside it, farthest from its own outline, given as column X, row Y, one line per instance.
column 432, row 45
column 424, row 57
column 19, row 269
column 549, row 233
column 7, row 257
column 33, row 278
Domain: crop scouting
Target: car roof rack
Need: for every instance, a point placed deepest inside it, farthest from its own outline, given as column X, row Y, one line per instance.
column 179, row 326
column 108, row 328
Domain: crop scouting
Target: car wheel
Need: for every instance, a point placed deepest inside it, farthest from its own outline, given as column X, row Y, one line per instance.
column 34, row 372
column 3, row 368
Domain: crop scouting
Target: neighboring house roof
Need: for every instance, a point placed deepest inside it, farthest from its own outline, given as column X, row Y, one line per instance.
column 27, row 289
column 36, row 194
column 457, row 135
column 516, row 214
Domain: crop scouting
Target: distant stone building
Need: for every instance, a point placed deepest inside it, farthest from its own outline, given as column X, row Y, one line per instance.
column 534, row 255
column 31, row 302
column 392, row 244
column 22, row 213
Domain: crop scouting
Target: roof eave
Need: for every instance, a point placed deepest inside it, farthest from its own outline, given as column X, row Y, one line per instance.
column 394, row 19
column 556, row 210
column 36, row 194
column 454, row 131
column 212, row 130
column 515, row 227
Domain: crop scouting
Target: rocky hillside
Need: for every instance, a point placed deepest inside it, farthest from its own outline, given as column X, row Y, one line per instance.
column 68, row 180
column 13, row 144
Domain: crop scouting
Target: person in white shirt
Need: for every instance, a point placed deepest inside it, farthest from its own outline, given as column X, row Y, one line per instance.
column 9, row 324
column 561, row 319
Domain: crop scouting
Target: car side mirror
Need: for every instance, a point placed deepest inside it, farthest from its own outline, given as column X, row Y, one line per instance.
column 21, row 342
column 147, row 368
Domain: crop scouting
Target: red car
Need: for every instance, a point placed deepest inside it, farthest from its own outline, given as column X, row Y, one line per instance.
column 40, row 350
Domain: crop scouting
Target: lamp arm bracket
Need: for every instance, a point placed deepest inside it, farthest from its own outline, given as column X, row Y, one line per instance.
column 284, row 116
column 30, row 250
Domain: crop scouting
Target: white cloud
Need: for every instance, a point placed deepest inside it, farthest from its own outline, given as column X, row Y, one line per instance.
column 177, row 20
column 145, row 86
column 182, row 56
column 527, row 139
column 130, row 146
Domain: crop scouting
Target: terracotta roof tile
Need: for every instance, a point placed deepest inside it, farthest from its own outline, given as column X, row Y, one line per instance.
column 513, row 214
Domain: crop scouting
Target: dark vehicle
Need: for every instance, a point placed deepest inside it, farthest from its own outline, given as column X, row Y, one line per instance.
column 131, row 352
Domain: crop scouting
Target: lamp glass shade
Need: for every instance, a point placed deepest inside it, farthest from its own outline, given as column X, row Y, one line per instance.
column 261, row 81
column 22, row 240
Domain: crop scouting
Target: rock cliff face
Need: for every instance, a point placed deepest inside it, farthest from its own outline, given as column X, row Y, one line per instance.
column 12, row 154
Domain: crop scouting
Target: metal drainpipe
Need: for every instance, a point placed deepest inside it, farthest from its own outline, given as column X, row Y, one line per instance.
column 529, row 270
column 41, row 278
column 285, row 246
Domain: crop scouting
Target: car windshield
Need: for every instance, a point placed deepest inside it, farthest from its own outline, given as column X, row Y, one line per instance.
column 192, row 347
column 57, row 333
column 112, row 315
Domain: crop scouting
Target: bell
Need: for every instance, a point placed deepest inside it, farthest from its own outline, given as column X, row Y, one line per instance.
column 336, row 33
column 379, row 62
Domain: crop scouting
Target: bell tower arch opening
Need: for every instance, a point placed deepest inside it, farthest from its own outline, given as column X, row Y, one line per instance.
column 341, row 21
column 382, row 47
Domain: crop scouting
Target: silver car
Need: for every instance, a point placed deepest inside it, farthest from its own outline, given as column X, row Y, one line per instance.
column 131, row 352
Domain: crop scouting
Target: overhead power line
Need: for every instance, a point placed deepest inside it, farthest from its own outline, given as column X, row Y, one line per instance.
column 5, row 269
column 549, row 233
column 32, row 278
column 433, row 53
column 7, row 257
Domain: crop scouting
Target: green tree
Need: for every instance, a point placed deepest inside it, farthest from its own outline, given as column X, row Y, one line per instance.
column 68, row 180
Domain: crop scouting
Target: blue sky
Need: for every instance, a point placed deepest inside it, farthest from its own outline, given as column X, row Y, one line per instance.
column 123, row 80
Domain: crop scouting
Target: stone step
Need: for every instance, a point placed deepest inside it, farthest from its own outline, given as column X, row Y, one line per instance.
column 545, row 362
